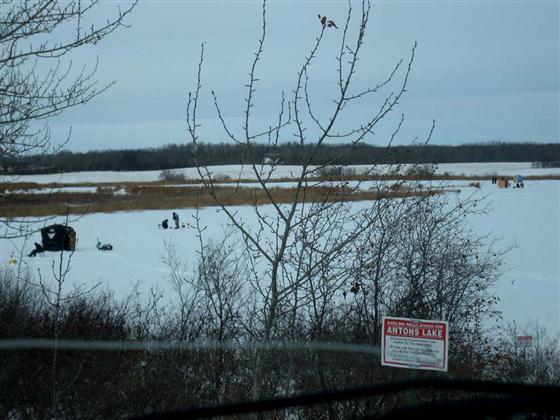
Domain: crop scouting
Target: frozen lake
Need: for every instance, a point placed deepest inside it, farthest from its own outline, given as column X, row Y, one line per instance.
column 527, row 218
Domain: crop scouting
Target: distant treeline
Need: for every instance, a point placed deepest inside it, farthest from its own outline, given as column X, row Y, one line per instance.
column 179, row 156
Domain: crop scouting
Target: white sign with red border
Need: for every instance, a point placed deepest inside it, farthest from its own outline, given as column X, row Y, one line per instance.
column 524, row 340
column 414, row 343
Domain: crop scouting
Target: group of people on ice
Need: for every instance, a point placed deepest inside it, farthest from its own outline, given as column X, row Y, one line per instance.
column 61, row 237
column 100, row 246
column 165, row 223
column 504, row 182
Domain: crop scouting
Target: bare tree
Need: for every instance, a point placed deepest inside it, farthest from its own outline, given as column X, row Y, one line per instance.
column 536, row 362
column 37, row 77
column 422, row 261
column 314, row 259
column 55, row 295
column 210, row 305
column 295, row 246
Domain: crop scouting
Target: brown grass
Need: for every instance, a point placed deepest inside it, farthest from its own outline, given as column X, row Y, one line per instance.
column 154, row 197
column 12, row 186
column 169, row 195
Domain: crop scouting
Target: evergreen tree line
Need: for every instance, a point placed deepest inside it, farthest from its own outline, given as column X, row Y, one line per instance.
column 180, row 156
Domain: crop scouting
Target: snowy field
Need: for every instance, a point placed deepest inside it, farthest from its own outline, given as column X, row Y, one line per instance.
column 234, row 172
column 527, row 218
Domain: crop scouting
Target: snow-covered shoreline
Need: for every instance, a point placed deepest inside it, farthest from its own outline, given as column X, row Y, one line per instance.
column 282, row 171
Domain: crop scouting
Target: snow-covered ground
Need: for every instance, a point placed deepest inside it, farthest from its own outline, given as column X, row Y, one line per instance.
column 528, row 218
column 73, row 190
column 246, row 172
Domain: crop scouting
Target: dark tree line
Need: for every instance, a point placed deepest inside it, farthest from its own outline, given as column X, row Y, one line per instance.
column 179, row 156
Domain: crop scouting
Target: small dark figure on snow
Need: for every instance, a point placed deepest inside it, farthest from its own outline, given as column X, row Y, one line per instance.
column 38, row 250
column 176, row 220
column 165, row 224
column 103, row 247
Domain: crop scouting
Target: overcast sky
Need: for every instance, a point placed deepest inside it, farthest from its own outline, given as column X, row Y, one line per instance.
column 484, row 70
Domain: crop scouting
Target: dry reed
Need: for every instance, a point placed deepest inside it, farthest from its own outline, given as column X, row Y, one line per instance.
column 157, row 197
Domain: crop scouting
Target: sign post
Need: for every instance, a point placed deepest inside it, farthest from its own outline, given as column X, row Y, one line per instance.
column 524, row 341
column 415, row 343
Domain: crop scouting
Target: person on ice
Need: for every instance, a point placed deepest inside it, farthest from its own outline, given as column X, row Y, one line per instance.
column 165, row 224
column 176, row 220
column 103, row 247
column 38, row 250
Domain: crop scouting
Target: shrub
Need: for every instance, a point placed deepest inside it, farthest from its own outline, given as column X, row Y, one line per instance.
column 105, row 190
column 222, row 178
column 546, row 164
column 171, row 175
column 335, row 171
column 421, row 170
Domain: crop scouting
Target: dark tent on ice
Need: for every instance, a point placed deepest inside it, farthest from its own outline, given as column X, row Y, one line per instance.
column 58, row 238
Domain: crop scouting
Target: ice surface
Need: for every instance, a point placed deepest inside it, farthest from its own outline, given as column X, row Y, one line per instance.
column 528, row 218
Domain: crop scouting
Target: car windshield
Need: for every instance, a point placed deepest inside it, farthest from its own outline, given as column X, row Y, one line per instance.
column 336, row 209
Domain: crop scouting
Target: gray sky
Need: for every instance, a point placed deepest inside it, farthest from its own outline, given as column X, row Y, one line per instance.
column 484, row 70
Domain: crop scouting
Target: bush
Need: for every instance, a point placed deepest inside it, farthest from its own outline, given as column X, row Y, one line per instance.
column 222, row 178
column 140, row 382
column 546, row 164
column 172, row 175
column 336, row 171
column 105, row 190
column 421, row 170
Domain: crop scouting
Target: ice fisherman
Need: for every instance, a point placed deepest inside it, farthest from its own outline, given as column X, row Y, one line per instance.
column 176, row 220
column 165, row 224
column 103, row 247
column 38, row 250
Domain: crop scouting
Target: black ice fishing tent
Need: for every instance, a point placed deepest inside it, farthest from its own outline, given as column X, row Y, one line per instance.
column 58, row 238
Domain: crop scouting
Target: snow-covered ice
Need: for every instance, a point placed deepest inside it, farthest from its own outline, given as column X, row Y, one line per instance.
column 528, row 218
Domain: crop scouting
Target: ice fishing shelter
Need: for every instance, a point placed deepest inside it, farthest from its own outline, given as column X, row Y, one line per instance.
column 58, row 238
